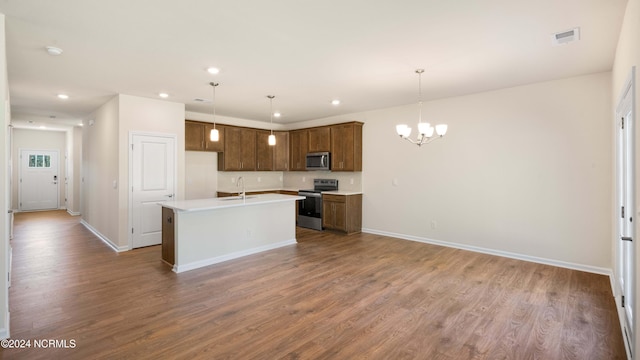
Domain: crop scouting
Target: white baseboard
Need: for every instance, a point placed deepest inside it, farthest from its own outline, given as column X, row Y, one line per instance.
column 73, row 213
column 563, row 264
column 104, row 238
column 231, row 256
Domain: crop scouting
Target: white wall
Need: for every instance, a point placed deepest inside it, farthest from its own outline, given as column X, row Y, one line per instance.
column 149, row 116
column 201, row 174
column 28, row 139
column 99, row 169
column 74, row 147
column 524, row 171
column 106, row 159
column 628, row 55
column 5, row 193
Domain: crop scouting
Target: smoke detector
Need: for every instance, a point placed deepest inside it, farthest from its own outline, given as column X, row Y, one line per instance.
column 565, row 37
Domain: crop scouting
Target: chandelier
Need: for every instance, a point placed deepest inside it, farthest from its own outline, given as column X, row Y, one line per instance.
column 425, row 130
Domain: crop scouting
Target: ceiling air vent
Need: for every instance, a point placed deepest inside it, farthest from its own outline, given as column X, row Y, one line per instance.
column 201, row 100
column 565, row 37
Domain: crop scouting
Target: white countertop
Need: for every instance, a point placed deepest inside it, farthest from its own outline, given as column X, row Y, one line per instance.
column 342, row 192
column 227, row 202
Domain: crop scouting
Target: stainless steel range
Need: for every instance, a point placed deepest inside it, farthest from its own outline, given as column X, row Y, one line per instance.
column 310, row 209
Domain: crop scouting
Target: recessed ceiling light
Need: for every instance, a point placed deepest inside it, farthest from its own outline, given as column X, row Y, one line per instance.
column 163, row 95
column 80, row 124
column 335, row 102
column 276, row 114
column 213, row 70
column 63, row 96
column 53, row 51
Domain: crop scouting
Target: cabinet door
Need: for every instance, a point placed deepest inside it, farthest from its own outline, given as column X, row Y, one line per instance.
column 216, row 146
column 320, row 139
column 168, row 236
column 231, row 159
column 248, row 147
column 340, row 216
column 193, row 136
column 346, row 147
column 264, row 151
column 298, row 144
column 328, row 216
column 281, row 151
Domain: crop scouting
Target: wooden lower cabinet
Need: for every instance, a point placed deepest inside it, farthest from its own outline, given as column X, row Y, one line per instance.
column 342, row 213
column 168, row 236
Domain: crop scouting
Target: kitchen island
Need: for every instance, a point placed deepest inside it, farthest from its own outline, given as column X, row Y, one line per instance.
column 197, row 233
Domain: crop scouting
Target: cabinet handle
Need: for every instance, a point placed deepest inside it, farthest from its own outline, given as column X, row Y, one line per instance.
column 169, row 220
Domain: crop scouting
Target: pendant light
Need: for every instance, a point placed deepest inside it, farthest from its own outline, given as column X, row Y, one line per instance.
column 425, row 130
column 214, row 135
column 272, row 138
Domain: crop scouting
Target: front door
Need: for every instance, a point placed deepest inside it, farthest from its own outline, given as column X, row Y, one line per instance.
column 625, row 187
column 39, row 180
column 152, row 180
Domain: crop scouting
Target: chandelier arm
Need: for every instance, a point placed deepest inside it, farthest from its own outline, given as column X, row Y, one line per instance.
column 422, row 141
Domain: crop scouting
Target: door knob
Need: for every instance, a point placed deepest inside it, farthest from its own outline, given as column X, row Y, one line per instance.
column 626, row 238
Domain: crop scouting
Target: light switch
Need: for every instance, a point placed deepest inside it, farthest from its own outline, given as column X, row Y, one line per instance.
column 115, row 184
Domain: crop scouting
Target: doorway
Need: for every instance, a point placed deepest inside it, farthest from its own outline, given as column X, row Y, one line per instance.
column 39, row 182
column 152, row 179
column 625, row 190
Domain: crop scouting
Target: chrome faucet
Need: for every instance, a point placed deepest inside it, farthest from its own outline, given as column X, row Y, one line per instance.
column 241, row 180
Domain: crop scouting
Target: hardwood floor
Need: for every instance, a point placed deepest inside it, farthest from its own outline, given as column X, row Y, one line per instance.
column 328, row 297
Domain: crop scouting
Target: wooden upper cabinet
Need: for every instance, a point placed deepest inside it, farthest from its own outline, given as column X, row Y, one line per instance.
column 298, row 145
column 319, row 139
column 193, row 136
column 239, row 150
column 281, row 151
column 216, row 146
column 264, row 151
column 346, row 147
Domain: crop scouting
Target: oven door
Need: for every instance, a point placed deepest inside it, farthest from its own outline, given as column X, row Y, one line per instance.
column 311, row 206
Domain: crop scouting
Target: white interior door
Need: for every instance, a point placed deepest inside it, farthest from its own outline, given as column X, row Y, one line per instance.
column 625, row 193
column 39, row 184
column 153, row 168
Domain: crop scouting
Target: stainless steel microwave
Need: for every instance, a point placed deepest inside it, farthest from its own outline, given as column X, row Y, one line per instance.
column 318, row 161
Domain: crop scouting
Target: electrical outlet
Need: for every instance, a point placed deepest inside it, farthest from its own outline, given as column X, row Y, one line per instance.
column 434, row 224
column 351, row 181
column 259, row 179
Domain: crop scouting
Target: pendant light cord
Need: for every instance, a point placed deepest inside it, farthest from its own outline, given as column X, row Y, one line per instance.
column 271, row 110
column 420, row 71
column 213, row 85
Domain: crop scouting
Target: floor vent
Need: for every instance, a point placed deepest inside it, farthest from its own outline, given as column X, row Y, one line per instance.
column 565, row 37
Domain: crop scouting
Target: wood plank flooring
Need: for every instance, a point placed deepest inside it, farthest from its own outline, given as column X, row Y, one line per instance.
column 328, row 297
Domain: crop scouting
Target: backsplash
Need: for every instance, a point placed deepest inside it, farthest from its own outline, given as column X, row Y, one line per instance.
column 253, row 180
column 348, row 181
column 288, row 180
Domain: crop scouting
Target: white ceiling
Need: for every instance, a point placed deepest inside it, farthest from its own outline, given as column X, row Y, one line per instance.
column 304, row 52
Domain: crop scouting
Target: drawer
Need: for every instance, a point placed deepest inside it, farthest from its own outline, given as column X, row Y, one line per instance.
column 334, row 198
